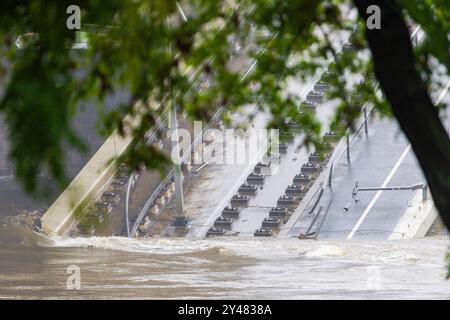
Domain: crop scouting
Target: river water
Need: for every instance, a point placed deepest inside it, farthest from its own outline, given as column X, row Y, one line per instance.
column 239, row 268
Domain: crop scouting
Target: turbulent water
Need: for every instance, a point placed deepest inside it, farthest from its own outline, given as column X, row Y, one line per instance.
column 247, row 268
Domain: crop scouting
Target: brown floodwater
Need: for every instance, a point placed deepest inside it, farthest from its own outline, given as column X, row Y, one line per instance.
column 32, row 267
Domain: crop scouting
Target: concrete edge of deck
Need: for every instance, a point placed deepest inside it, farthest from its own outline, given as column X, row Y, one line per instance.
column 416, row 220
column 84, row 187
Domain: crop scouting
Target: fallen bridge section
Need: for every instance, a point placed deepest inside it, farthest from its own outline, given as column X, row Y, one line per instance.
column 89, row 182
column 83, row 189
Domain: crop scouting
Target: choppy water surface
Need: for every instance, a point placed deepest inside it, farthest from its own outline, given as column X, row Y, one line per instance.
column 222, row 268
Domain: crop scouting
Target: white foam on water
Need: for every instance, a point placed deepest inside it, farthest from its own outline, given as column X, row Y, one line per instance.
column 391, row 251
column 150, row 246
column 326, row 250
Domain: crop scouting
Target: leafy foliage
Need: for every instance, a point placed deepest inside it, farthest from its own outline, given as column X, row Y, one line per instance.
column 148, row 49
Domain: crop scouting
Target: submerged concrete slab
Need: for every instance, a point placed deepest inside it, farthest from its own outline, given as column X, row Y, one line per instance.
column 61, row 214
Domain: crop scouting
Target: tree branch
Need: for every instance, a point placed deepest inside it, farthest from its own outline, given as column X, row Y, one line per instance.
column 407, row 94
